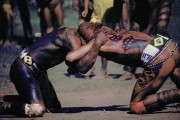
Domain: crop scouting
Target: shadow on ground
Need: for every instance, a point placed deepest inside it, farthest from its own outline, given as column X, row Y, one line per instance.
column 113, row 76
column 101, row 108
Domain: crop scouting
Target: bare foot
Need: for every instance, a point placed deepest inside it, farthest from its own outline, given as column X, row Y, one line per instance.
column 127, row 76
column 101, row 75
column 91, row 71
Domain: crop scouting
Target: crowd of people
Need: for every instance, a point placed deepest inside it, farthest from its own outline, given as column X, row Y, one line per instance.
column 117, row 30
column 50, row 14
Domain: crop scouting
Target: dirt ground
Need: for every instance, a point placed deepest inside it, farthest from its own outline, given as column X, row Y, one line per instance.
column 87, row 99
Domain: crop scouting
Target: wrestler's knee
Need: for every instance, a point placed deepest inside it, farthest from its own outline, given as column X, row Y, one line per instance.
column 35, row 110
column 138, row 107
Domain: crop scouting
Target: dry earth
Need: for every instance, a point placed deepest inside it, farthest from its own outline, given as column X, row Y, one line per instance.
column 87, row 99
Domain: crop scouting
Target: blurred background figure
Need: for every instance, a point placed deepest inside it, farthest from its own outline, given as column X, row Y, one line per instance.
column 51, row 14
column 23, row 8
column 110, row 13
column 6, row 23
column 7, row 20
column 142, row 18
column 121, row 14
column 84, row 8
column 173, row 27
column 102, row 13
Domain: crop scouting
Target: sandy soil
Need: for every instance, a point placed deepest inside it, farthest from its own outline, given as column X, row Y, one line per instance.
column 87, row 99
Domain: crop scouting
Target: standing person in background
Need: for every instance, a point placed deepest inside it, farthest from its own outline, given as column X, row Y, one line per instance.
column 84, row 8
column 6, row 23
column 7, row 20
column 168, row 23
column 173, row 27
column 102, row 14
column 50, row 11
column 121, row 14
column 25, row 19
column 142, row 18
column 109, row 13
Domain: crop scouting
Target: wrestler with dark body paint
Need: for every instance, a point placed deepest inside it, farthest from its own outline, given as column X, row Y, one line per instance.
column 159, row 56
column 28, row 73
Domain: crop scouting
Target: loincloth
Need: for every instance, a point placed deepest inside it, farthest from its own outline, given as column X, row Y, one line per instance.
column 53, row 6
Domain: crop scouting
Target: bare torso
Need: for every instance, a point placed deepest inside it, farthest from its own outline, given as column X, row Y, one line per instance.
column 125, row 47
column 51, row 49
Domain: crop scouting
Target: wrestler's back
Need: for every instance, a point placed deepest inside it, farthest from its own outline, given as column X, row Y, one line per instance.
column 129, row 47
column 50, row 50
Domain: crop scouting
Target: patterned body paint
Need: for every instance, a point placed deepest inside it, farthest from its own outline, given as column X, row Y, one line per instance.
column 127, row 49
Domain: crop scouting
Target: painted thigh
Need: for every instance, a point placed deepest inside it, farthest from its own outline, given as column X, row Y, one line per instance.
column 144, row 98
column 25, row 83
column 152, row 79
column 49, row 95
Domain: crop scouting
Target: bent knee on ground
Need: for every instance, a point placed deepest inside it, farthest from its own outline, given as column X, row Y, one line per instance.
column 35, row 110
column 137, row 107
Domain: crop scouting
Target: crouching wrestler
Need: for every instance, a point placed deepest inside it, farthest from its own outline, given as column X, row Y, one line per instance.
column 28, row 74
column 158, row 55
